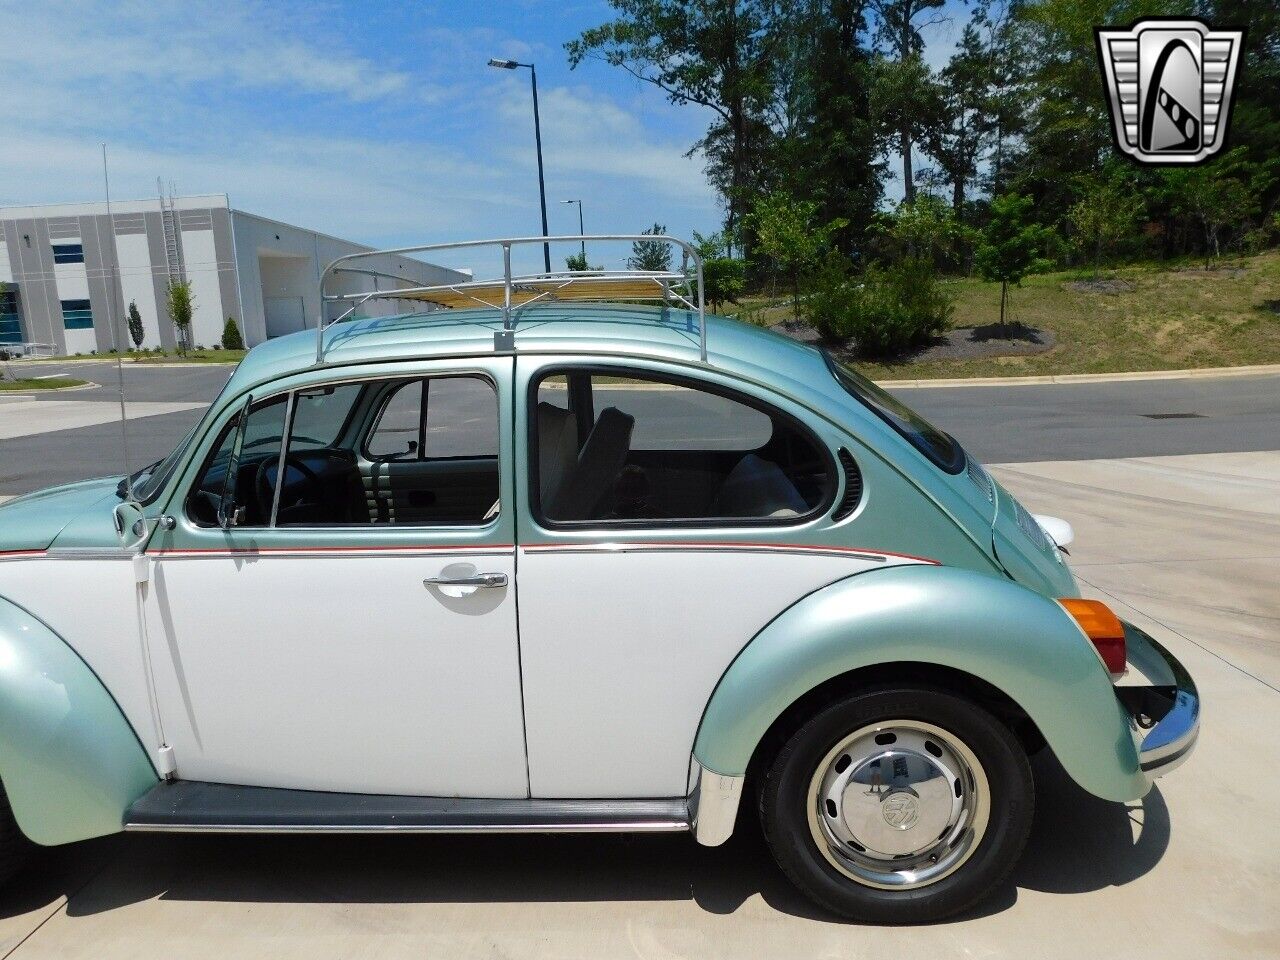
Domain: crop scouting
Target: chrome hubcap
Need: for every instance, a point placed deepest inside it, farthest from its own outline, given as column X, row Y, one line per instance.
column 898, row 805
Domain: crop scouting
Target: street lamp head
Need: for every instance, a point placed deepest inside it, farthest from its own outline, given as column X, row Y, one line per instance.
column 570, row 201
column 503, row 64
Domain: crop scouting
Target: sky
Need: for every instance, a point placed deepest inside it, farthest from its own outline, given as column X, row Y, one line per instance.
column 374, row 121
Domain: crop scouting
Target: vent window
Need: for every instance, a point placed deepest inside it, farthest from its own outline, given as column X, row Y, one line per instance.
column 852, row 486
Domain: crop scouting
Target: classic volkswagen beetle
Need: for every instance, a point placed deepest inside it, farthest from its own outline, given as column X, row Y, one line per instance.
column 565, row 565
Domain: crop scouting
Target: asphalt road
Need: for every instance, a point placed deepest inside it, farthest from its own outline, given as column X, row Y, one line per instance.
column 1012, row 424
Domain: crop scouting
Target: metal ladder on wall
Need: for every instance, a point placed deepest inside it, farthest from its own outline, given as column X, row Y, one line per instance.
column 172, row 227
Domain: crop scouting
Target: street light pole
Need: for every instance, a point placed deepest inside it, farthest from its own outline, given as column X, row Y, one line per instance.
column 537, row 136
column 581, row 231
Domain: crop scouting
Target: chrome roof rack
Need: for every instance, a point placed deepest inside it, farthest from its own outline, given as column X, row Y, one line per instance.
column 511, row 292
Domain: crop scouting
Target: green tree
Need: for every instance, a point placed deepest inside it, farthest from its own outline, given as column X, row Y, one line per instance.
column 787, row 235
column 1106, row 213
column 837, row 155
column 577, row 263
column 924, row 227
column 1010, row 246
column 1215, row 196
column 907, row 94
column 134, row 320
column 712, row 53
column 181, row 305
column 723, row 277
column 965, row 114
column 652, row 255
column 231, row 339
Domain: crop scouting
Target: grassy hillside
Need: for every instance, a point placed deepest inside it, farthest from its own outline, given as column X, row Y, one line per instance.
column 1155, row 319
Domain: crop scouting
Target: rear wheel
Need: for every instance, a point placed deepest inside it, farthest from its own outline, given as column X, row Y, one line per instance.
column 15, row 848
column 898, row 805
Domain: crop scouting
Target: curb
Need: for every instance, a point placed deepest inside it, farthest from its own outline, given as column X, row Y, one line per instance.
column 87, row 385
column 1068, row 378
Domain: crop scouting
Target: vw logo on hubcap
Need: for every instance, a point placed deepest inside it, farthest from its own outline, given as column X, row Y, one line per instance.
column 900, row 810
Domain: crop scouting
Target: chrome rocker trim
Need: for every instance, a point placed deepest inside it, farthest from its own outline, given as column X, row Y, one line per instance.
column 713, row 805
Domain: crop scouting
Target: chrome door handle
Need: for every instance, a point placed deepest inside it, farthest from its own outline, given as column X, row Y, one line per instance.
column 476, row 580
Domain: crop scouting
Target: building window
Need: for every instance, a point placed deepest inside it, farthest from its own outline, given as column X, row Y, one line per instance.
column 76, row 315
column 10, row 325
column 68, row 253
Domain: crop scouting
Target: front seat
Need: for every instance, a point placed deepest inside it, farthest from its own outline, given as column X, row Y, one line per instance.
column 557, row 449
column 584, row 494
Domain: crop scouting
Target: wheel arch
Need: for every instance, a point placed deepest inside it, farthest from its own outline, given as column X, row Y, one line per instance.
column 69, row 760
column 1016, row 650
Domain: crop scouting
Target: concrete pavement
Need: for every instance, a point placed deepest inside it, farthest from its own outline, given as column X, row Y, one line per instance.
column 1187, row 546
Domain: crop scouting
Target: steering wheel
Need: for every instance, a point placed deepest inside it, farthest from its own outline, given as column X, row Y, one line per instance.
column 266, row 494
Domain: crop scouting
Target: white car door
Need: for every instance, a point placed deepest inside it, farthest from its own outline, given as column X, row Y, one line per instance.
column 333, row 638
column 665, row 522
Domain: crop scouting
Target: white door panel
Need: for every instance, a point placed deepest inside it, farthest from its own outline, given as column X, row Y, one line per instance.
column 92, row 604
column 341, row 671
column 621, row 649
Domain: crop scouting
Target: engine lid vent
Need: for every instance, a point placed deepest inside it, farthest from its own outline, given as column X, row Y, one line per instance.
column 852, row 485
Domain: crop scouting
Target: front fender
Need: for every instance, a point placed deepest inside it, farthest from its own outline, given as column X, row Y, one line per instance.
column 70, row 762
column 1013, row 638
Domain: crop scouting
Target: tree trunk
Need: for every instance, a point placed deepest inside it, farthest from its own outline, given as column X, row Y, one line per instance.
column 1004, row 299
column 908, row 179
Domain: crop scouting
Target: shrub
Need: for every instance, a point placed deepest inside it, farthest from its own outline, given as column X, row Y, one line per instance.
column 829, row 297
column 886, row 311
column 231, row 339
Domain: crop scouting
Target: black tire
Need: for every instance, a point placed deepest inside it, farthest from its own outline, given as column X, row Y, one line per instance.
column 15, row 848
column 784, row 801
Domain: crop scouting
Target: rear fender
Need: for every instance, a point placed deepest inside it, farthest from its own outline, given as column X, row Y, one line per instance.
column 1019, row 641
column 70, row 761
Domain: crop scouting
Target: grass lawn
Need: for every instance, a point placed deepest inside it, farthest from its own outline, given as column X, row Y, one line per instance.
column 193, row 356
column 1165, row 318
column 44, row 383
column 147, row 356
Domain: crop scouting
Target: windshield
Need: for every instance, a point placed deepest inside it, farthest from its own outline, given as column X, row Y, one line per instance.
column 924, row 436
column 148, row 481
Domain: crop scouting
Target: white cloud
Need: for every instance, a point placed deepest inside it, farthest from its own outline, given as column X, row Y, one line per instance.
column 277, row 108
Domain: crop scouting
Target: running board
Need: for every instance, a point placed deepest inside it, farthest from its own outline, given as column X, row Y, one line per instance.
column 190, row 806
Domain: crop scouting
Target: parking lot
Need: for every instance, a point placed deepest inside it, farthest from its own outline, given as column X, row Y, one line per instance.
column 1177, row 520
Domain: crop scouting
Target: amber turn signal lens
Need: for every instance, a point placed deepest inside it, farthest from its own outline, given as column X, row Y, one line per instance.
column 1102, row 627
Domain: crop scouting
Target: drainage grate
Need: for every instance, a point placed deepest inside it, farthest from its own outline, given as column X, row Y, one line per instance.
column 1174, row 416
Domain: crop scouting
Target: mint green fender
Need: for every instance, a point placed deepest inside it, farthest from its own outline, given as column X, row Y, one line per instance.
column 70, row 762
column 1017, row 640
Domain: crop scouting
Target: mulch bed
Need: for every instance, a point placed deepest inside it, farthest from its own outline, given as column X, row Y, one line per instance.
column 962, row 343
column 1101, row 285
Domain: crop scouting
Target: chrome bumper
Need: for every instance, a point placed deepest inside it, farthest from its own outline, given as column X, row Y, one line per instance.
column 1166, row 716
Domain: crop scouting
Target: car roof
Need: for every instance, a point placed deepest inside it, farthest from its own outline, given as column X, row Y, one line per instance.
column 599, row 330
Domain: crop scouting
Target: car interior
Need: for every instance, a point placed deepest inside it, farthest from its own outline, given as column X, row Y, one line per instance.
column 418, row 451
column 614, row 448
column 424, row 451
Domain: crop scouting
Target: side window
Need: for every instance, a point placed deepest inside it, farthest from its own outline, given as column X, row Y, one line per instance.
column 439, row 418
column 262, row 438
column 398, row 432
column 430, row 457
column 664, row 450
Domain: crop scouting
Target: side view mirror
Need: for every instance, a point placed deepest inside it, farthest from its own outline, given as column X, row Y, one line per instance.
column 131, row 525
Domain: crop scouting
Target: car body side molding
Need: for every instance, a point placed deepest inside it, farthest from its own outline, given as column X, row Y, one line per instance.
column 70, row 761
column 1013, row 638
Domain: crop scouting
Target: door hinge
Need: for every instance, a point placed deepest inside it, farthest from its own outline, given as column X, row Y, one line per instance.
column 141, row 568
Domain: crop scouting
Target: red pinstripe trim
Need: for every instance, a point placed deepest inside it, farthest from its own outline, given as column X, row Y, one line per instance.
column 22, row 553
column 433, row 548
column 721, row 544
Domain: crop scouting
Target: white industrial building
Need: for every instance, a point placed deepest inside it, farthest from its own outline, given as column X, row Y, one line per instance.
column 62, row 278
